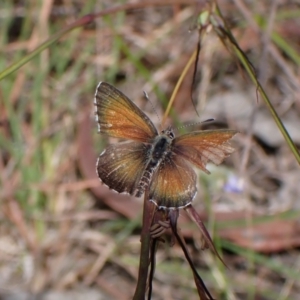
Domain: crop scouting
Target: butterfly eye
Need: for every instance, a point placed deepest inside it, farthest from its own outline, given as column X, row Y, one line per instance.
column 171, row 134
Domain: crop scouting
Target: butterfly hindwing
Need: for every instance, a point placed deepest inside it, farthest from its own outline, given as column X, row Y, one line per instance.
column 118, row 116
column 201, row 147
column 122, row 165
column 173, row 183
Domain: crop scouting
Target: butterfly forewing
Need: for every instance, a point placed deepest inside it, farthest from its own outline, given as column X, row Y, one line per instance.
column 201, row 147
column 122, row 165
column 174, row 183
column 118, row 116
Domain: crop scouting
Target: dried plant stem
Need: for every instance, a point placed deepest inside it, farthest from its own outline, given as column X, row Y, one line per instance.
column 148, row 213
column 175, row 91
column 203, row 292
column 223, row 32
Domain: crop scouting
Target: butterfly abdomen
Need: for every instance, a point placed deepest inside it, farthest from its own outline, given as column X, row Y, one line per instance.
column 146, row 178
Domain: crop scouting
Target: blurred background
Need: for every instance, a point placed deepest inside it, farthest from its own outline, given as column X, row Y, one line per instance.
column 65, row 236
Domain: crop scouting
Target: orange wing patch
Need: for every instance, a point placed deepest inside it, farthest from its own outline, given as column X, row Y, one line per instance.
column 118, row 116
column 174, row 183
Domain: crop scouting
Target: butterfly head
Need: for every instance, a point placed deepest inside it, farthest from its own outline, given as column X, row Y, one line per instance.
column 168, row 132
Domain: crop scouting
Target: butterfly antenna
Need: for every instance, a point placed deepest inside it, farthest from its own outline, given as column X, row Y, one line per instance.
column 196, row 123
column 208, row 120
column 153, row 108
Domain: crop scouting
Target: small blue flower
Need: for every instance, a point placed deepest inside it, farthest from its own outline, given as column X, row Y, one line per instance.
column 234, row 184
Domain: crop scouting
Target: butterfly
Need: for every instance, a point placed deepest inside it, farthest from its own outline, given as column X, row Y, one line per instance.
column 159, row 162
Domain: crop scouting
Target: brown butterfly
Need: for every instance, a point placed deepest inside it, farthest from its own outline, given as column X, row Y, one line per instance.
column 153, row 160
